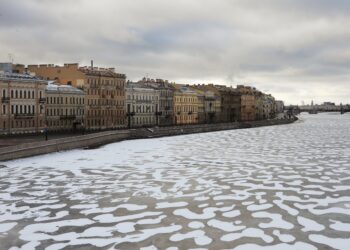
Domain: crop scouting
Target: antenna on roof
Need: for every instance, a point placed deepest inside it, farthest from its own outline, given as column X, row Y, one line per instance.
column 10, row 57
column 92, row 64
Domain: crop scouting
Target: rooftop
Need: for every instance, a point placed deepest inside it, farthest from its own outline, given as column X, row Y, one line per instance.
column 51, row 87
column 20, row 77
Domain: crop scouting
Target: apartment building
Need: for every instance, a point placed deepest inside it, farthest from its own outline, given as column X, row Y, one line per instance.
column 142, row 105
column 185, row 105
column 166, row 90
column 22, row 103
column 65, row 107
column 104, row 88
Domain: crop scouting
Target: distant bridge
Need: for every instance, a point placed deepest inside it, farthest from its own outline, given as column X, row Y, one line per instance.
column 342, row 109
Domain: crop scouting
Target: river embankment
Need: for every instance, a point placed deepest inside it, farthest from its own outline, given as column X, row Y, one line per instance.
column 102, row 138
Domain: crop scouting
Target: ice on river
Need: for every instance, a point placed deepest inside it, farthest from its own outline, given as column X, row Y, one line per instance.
column 279, row 187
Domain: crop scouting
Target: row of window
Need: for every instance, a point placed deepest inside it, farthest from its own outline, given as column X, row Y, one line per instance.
column 20, row 109
column 66, row 100
column 186, row 99
column 186, row 108
column 144, row 120
column 112, row 82
column 106, row 113
column 102, row 92
column 105, row 102
column 54, row 112
column 143, row 108
column 142, row 97
column 21, row 94
column 102, row 123
column 21, row 124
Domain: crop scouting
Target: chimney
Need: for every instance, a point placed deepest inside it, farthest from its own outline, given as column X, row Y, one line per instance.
column 92, row 64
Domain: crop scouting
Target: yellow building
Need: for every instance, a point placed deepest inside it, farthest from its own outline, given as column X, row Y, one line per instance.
column 104, row 88
column 22, row 103
column 185, row 105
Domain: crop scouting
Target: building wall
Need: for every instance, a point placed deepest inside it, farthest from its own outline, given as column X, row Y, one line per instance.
column 166, row 116
column 230, row 105
column 105, row 92
column 22, row 105
column 67, row 74
column 142, row 106
column 65, row 110
column 185, row 107
column 248, row 111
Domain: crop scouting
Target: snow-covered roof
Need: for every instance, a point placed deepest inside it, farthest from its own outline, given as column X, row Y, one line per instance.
column 20, row 77
column 51, row 87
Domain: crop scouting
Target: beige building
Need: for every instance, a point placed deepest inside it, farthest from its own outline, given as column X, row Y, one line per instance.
column 104, row 88
column 142, row 105
column 248, row 102
column 65, row 107
column 209, row 103
column 22, row 103
column 185, row 105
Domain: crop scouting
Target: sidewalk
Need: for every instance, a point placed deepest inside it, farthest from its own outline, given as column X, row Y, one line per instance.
column 12, row 140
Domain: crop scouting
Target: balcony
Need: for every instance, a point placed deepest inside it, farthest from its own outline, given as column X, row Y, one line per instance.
column 24, row 116
column 67, row 117
column 42, row 100
column 130, row 114
column 5, row 99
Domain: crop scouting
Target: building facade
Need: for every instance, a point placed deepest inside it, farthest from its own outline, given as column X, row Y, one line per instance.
column 185, row 105
column 104, row 88
column 166, row 90
column 230, row 104
column 211, row 103
column 65, row 107
column 142, row 105
column 22, row 103
column 248, row 103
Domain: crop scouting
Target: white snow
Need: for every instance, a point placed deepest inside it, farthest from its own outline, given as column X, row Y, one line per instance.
column 336, row 243
column 198, row 235
column 309, row 225
column 276, row 220
column 249, row 232
column 4, row 227
column 340, row 226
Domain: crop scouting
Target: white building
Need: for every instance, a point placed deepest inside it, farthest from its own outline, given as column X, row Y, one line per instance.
column 142, row 105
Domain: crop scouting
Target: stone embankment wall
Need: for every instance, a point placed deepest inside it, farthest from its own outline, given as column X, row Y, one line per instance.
column 98, row 139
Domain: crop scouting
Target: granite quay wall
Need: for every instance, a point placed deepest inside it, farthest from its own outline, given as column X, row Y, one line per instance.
column 98, row 139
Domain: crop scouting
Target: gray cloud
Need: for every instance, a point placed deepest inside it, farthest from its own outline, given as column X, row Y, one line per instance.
column 297, row 50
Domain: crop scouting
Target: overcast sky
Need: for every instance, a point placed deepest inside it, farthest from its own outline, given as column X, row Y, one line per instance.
column 296, row 50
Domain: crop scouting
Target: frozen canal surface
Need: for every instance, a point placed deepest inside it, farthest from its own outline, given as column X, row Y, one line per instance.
column 280, row 187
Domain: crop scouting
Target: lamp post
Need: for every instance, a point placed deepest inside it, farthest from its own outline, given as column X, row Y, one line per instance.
column 158, row 113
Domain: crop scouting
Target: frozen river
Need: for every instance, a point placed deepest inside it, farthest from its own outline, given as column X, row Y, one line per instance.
column 280, row 187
